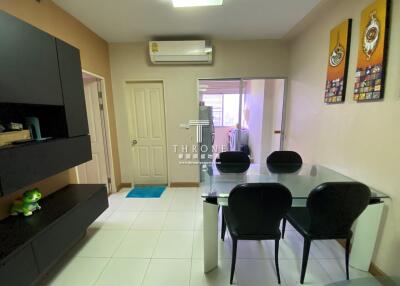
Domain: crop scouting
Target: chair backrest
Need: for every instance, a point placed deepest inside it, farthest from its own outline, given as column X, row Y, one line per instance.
column 284, row 161
column 258, row 208
column 233, row 162
column 333, row 207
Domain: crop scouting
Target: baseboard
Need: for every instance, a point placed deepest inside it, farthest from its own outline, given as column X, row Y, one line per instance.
column 149, row 185
column 375, row 271
column 124, row 185
column 172, row 185
column 342, row 242
column 382, row 277
column 184, row 185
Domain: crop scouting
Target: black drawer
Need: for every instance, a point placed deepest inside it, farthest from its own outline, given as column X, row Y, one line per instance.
column 58, row 239
column 24, row 165
column 19, row 269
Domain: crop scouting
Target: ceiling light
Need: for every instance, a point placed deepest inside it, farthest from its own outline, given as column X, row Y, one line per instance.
column 195, row 3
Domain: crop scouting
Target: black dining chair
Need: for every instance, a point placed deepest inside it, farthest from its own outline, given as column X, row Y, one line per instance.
column 233, row 162
column 330, row 213
column 284, row 162
column 254, row 212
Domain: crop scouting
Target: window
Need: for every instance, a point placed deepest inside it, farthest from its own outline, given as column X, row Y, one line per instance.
column 225, row 108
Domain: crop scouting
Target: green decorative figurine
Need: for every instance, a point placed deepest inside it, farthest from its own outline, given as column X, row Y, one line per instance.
column 28, row 204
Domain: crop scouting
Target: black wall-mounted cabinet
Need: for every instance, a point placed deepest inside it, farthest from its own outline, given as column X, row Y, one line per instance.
column 23, row 165
column 39, row 69
column 28, row 64
column 40, row 76
column 72, row 87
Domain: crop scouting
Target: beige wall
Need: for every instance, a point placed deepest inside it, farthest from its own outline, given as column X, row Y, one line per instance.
column 255, row 111
column 264, row 58
column 94, row 56
column 360, row 140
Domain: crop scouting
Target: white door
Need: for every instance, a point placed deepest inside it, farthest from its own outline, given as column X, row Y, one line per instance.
column 94, row 171
column 147, row 132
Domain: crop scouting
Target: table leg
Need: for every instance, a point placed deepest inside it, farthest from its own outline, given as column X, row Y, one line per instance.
column 364, row 238
column 210, row 235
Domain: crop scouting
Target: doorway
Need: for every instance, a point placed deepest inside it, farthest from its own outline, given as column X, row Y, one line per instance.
column 247, row 113
column 146, row 116
column 100, row 169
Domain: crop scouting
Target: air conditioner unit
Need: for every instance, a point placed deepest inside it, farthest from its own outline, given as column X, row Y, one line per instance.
column 180, row 52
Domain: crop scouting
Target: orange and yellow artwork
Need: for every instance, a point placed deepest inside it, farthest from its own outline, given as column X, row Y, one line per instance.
column 370, row 73
column 338, row 60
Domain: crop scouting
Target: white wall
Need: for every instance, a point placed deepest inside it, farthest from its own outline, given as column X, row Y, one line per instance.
column 264, row 100
column 221, row 139
column 261, row 58
column 254, row 110
column 359, row 140
column 272, row 116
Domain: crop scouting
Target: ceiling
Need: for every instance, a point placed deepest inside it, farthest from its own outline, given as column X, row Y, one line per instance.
column 142, row 20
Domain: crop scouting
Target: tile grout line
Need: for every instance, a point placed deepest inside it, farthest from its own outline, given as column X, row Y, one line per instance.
column 102, row 271
column 148, row 260
column 146, row 271
column 152, row 254
column 191, row 259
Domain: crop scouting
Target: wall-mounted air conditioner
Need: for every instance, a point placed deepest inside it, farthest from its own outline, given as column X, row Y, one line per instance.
column 180, row 52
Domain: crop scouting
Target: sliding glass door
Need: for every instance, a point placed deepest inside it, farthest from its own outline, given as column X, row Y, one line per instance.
column 247, row 114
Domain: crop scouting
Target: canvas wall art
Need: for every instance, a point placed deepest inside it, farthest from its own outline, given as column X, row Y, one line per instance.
column 373, row 41
column 338, row 61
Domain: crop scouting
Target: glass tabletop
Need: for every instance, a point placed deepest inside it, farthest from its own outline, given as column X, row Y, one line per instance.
column 300, row 182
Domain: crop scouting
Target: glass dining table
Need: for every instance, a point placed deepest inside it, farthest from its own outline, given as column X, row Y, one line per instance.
column 301, row 181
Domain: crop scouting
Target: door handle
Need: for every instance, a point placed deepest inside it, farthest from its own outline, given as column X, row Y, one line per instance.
column 134, row 142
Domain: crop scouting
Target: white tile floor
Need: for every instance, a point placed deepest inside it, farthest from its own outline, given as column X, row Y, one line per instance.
column 159, row 242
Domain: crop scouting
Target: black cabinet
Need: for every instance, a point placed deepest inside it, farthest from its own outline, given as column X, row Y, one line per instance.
column 72, row 89
column 40, row 77
column 19, row 269
column 36, row 68
column 31, row 245
column 28, row 64
column 54, row 242
column 26, row 164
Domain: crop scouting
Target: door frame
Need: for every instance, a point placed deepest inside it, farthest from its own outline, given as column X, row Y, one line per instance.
column 241, row 79
column 162, row 81
column 106, row 133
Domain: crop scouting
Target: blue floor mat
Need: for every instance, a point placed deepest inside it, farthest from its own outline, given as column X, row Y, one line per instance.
column 146, row 192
